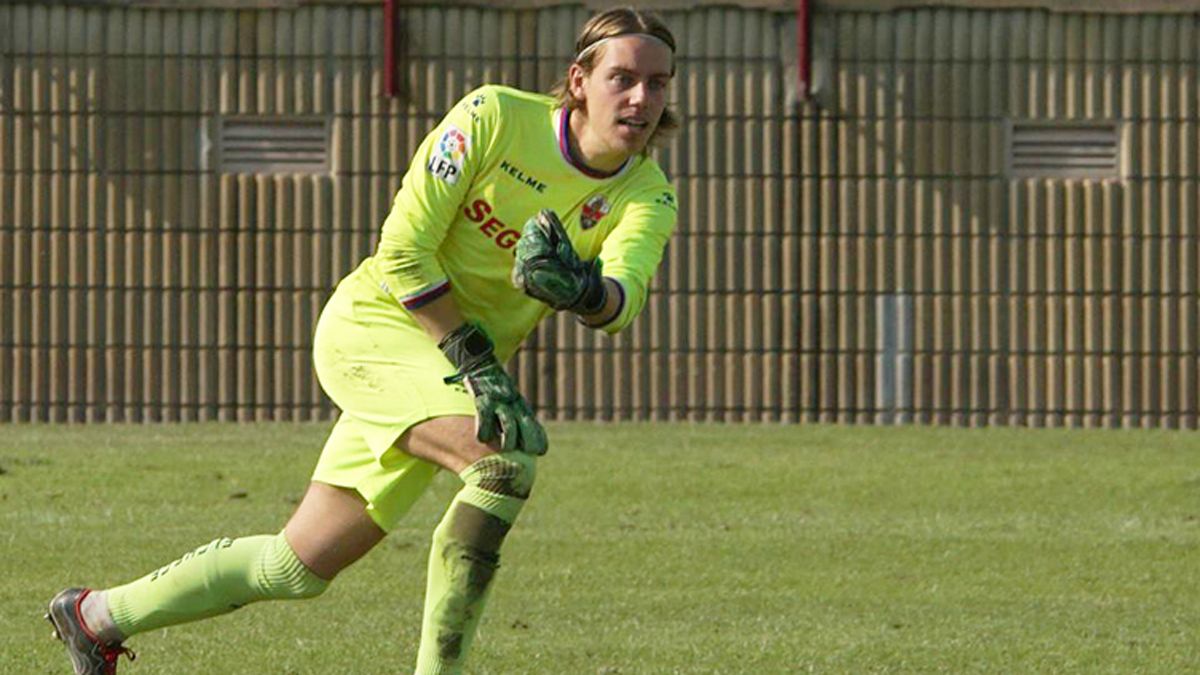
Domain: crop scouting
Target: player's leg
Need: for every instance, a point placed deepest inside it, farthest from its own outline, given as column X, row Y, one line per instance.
column 380, row 364
column 329, row 531
column 466, row 544
column 382, row 369
column 360, row 490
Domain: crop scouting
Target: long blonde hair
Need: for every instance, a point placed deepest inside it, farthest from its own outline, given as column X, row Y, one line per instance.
column 613, row 23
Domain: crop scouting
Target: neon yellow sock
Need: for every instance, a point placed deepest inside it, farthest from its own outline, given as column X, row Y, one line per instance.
column 216, row 578
column 465, row 556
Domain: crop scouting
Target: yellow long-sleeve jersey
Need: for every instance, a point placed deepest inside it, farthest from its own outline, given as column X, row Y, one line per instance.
column 498, row 157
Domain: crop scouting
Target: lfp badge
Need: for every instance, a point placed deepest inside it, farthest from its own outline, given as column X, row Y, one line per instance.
column 447, row 157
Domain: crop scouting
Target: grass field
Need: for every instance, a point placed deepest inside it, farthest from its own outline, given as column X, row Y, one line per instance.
column 659, row 549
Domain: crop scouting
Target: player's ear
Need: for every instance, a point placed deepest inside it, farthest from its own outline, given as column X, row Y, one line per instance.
column 575, row 77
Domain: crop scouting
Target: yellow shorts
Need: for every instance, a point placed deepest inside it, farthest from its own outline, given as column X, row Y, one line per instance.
column 386, row 374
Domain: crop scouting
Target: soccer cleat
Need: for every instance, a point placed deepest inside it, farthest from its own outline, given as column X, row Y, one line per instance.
column 88, row 654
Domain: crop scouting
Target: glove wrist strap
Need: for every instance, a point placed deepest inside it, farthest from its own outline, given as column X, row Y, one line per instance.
column 468, row 348
column 595, row 294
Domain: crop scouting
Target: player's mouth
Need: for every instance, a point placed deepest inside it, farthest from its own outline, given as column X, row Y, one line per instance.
column 635, row 124
column 633, row 129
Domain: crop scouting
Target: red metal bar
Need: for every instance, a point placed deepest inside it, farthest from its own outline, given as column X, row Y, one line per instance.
column 803, row 51
column 390, row 87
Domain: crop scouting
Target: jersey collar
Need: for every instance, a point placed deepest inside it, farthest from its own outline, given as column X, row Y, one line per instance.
column 564, row 149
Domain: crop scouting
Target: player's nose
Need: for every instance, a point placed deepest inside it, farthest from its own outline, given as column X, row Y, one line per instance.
column 639, row 94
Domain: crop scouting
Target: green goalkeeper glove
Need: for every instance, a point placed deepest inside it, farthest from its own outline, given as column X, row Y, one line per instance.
column 500, row 410
column 548, row 268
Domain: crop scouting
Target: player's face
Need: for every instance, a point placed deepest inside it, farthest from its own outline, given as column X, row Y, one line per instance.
column 625, row 93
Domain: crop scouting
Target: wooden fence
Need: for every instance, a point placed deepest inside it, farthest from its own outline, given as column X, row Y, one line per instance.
column 864, row 256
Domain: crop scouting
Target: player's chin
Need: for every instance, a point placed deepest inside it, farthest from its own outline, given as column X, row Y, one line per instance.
column 632, row 139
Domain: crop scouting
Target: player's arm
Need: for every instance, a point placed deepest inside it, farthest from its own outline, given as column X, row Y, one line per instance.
column 608, row 292
column 632, row 252
column 501, row 413
column 433, row 190
column 439, row 317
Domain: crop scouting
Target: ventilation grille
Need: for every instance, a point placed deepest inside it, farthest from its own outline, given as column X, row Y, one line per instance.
column 274, row 145
column 1065, row 150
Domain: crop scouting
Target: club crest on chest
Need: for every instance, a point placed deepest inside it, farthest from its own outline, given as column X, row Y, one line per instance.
column 594, row 210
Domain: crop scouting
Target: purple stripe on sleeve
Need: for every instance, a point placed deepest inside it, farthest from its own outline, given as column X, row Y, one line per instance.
column 427, row 296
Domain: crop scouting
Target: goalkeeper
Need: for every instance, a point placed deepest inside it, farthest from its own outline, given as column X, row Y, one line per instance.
column 516, row 206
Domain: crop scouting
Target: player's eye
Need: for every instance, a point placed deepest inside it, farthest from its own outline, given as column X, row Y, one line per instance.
column 623, row 80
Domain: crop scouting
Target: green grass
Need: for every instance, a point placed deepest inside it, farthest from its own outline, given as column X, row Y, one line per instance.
column 659, row 549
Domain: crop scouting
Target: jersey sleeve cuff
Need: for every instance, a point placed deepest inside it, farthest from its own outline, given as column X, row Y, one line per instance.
column 426, row 295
